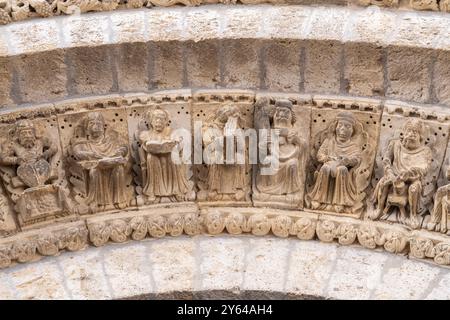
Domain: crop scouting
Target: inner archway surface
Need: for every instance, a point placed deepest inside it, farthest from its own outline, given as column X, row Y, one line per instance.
column 215, row 267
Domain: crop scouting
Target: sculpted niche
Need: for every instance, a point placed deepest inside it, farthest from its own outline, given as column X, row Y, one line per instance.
column 225, row 181
column 409, row 159
column 342, row 160
column 161, row 177
column 99, row 165
column 406, row 162
column 282, row 185
column 31, row 173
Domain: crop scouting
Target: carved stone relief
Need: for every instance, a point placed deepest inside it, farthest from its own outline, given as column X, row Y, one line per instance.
column 342, row 153
column 438, row 218
column 97, row 158
column 221, row 115
column 289, row 116
column 32, row 173
column 113, row 155
column 409, row 158
column 156, row 130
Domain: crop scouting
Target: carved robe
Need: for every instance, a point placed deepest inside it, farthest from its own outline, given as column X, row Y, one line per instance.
column 104, row 175
column 162, row 177
column 287, row 179
column 401, row 160
column 339, row 189
column 405, row 159
column 222, row 178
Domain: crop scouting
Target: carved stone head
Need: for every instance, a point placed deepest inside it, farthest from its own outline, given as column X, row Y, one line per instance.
column 227, row 111
column 283, row 113
column 94, row 125
column 158, row 119
column 26, row 133
column 413, row 134
column 345, row 126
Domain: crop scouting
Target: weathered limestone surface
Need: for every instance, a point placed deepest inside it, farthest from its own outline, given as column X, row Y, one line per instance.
column 409, row 74
column 17, row 11
column 91, row 70
column 323, row 67
column 316, row 49
column 42, row 76
column 235, row 264
column 364, row 70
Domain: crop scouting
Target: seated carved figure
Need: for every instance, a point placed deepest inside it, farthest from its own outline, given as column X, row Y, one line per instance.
column 335, row 187
column 29, row 173
column 161, row 177
column 406, row 162
column 288, row 178
column 441, row 209
column 102, row 159
column 224, row 181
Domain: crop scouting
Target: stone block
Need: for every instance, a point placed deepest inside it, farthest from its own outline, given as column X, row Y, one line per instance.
column 167, row 65
column 85, row 275
column 39, row 281
column 128, row 27
column 173, row 263
column 323, row 65
column 409, row 280
column 132, row 60
column 91, row 70
column 202, row 64
column 267, row 262
column 202, row 24
column 287, row 22
column 6, row 75
column 164, row 25
column 310, row 266
column 128, row 270
column 42, row 76
column 241, row 64
column 356, row 274
column 364, row 70
column 222, row 263
column 41, row 35
column 283, row 66
column 441, row 78
column 86, row 30
column 408, row 72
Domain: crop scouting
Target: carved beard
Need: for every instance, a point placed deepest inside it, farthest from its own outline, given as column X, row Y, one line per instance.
column 281, row 121
column 27, row 142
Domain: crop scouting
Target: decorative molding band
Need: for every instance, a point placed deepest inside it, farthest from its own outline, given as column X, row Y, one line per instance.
column 177, row 220
column 19, row 10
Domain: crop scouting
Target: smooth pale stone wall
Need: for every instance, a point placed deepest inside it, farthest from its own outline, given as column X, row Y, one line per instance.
column 220, row 266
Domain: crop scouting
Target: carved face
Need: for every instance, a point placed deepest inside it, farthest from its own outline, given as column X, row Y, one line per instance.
column 95, row 128
column 344, row 130
column 222, row 116
column 283, row 116
column 159, row 120
column 411, row 137
column 27, row 137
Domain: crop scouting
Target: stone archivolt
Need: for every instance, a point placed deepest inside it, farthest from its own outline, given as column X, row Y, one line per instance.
column 95, row 170
column 18, row 10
